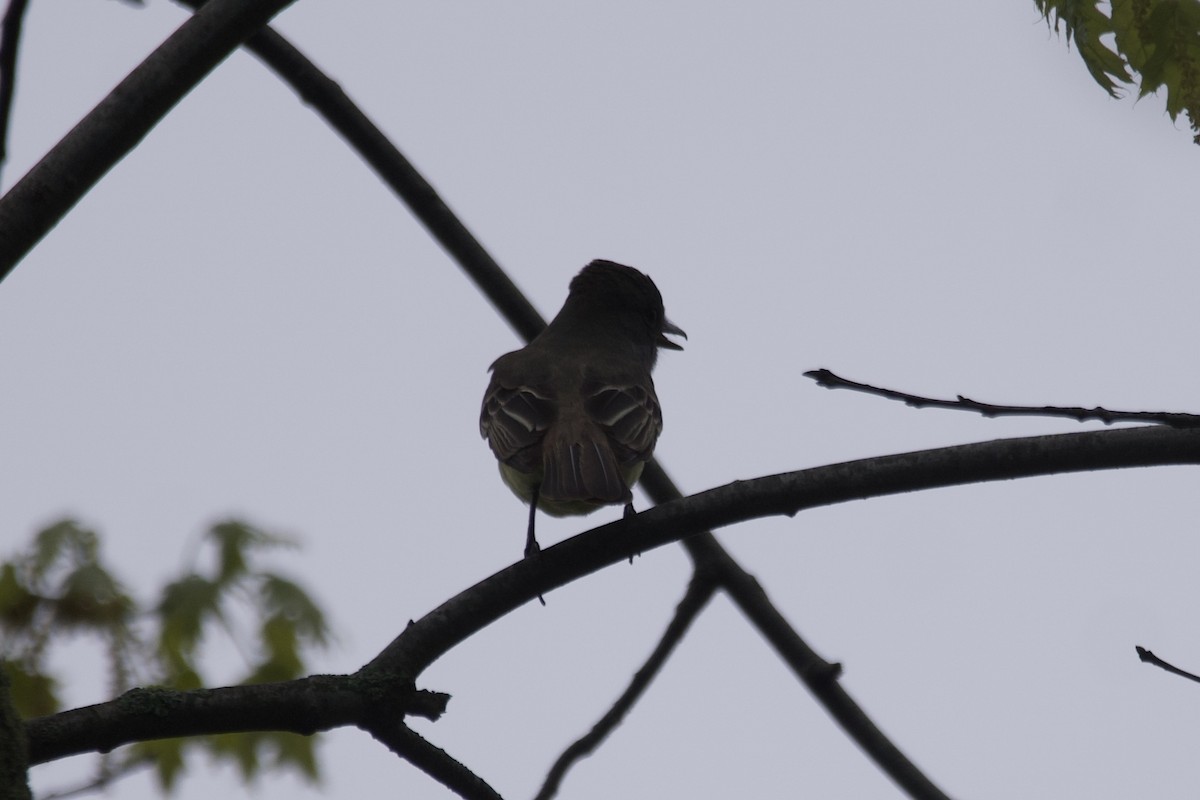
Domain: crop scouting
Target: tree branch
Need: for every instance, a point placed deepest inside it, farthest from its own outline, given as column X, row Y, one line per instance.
column 122, row 119
column 431, row 637
column 1175, row 419
column 1150, row 658
column 384, row 684
column 700, row 590
column 427, row 639
column 430, row 209
column 817, row 675
column 432, row 760
column 14, row 752
column 10, row 39
column 326, row 97
column 302, row 706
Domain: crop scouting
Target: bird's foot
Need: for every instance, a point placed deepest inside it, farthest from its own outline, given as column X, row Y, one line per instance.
column 629, row 512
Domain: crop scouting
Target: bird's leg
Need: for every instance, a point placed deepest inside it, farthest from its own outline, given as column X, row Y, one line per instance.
column 531, row 545
column 629, row 512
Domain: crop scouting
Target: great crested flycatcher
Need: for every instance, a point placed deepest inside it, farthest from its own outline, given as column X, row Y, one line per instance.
column 572, row 417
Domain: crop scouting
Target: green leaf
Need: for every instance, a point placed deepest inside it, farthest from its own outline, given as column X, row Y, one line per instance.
column 298, row 752
column 282, row 597
column 33, row 694
column 1084, row 23
column 17, row 603
column 1157, row 47
column 240, row 748
column 1128, row 17
column 250, row 750
column 283, row 661
column 61, row 586
column 167, row 757
column 186, row 606
column 234, row 542
column 1172, row 28
column 92, row 598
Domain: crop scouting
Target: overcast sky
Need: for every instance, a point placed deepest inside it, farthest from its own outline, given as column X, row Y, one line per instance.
column 242, row 320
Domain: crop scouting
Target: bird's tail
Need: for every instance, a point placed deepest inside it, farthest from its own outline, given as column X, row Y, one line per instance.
column 581, row 465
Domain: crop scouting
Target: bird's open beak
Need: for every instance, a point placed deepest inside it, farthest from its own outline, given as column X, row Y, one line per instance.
column 671, row 328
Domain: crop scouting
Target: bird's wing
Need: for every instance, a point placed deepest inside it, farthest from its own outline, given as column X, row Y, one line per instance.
column 514, row 420
column 629, row 414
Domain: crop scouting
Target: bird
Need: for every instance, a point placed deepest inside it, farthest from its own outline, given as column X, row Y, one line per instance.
column 573, row 417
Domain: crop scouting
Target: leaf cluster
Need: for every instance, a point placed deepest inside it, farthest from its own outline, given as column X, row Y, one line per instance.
column 1153, row 44
column 59, row 588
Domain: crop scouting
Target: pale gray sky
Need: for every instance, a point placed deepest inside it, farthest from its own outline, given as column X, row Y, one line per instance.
column 241, row 320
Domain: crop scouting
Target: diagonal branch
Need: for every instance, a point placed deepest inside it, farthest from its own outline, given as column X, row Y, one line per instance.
column 821, row 678
column 1175, row 419
column 700, row 590
column 122, row 119
column 430, row 759
column 817, row 675
column 326, row 97
column 10, row 39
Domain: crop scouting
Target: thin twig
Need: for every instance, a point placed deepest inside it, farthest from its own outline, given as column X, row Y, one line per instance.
column 10, row 39
column 1150, row 658
column 700, row 590
column 430, row 759
column 1175, row 419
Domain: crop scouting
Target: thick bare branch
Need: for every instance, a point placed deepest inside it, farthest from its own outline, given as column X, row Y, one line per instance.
column 122, row 119
column 460, row 617
column 302, row 706
column 435, row 634
column 14, row 754
column 321, row 702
